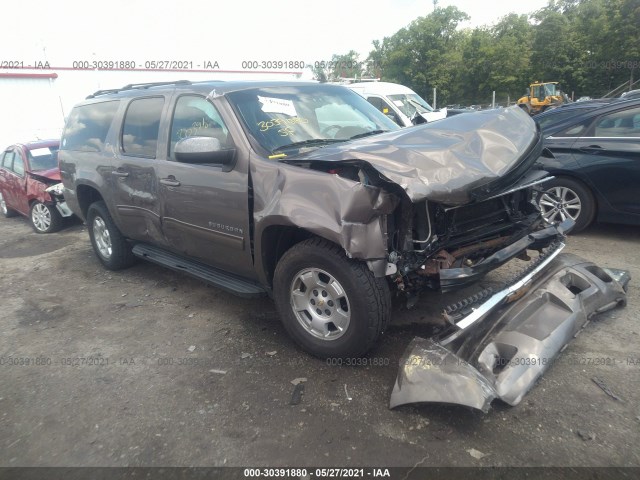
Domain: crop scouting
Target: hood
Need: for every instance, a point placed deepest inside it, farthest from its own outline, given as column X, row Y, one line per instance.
column 47, row 175
column 453, row 161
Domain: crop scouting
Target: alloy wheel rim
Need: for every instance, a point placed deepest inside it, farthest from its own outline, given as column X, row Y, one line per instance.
column 320, row 304
column 41, row 217
column 3, row 205
column 102, row 237
column 560, row 203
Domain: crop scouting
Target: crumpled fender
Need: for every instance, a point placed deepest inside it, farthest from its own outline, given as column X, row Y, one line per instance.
column 504, row 354
column 345, row 212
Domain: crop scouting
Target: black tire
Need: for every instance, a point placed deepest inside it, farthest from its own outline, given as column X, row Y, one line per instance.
column 44, row 218
column 364, row 297
column 111, row 247
column 6, row 211
column 561, row 194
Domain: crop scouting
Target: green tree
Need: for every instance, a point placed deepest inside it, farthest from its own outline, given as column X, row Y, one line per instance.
column 425, row 54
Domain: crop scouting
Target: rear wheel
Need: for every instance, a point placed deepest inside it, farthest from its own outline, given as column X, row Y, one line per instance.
column 6, row 211
column 45, row 218
column 567, row 198
column 111, row 247
column 332, row 306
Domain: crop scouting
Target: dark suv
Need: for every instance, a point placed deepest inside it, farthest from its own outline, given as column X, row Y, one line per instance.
column 305, row 192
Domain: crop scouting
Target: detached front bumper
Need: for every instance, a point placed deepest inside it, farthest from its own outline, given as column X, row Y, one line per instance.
column 499, row 348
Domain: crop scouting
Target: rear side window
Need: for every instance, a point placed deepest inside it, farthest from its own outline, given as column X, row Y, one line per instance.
column 141, row 127
column 7, row 161
column 87, row 127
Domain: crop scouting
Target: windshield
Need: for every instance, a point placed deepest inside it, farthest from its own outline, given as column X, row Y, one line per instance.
column 44, row 158
column 409, row 103
column 285, row 118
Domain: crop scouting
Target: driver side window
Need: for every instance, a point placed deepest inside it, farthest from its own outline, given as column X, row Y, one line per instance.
column 195, row 116
column 384, row 107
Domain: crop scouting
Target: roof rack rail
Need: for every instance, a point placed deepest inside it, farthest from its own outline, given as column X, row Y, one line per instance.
column 133, row 86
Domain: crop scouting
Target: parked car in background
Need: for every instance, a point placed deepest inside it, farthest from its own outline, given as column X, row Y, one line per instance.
column 404, row 106
column 596, row 162
column 631, row 94
column 30, row 184
column 566, row 112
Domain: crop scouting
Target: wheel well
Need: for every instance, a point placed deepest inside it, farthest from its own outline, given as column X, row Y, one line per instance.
column 86, row 196
column 276, row 240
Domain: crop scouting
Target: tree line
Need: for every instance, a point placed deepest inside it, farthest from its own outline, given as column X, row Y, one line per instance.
column 589, row 46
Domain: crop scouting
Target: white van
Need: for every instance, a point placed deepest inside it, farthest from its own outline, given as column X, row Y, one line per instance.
column 400, row 103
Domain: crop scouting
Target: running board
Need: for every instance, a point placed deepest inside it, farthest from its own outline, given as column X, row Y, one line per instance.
column 213, row 276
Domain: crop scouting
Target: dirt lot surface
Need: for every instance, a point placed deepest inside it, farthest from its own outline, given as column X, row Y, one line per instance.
column 146, row 367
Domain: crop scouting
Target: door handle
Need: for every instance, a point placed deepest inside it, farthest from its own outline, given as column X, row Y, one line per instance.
column 591, row 149
column 170, row 181
column 120, row 173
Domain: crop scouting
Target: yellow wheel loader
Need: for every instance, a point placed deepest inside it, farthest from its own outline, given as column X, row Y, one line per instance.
column 542, row 96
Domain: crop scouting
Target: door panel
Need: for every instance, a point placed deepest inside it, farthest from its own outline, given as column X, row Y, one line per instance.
column 610, row 155
column 134, row 176
column 613, row 166
column 15, row 182
column 205, row 211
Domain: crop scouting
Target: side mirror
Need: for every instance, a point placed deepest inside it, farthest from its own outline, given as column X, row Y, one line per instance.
column 417, row 119
column 203, row 150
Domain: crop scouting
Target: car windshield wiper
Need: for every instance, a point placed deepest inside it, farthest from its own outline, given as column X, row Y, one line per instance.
column 312, row 142
column 366, row 134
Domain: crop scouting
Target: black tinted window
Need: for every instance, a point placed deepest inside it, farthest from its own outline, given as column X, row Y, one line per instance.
column 575, row 130
column 87, row 127
column 625, row 123
column 141, row 126
column 557, row 116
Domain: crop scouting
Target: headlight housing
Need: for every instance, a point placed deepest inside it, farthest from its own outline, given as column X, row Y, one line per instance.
column 57, row 189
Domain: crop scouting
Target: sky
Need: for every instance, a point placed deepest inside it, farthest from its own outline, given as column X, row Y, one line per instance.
column 222, row 33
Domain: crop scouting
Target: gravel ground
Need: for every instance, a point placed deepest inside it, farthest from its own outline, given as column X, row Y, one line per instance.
column 146, row 367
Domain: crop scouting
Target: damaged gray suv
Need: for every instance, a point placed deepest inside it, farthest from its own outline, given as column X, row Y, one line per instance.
column 308, row 193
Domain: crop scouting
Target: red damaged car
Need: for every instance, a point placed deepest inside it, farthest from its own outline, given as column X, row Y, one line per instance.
column 30, row 184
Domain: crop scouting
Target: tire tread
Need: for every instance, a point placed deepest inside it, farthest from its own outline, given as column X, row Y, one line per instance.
column 378, row 297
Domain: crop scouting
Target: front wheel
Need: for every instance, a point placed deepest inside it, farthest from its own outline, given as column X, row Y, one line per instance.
column 567, row 198
column 45, row 218
column 111, row 247
column 332, row 306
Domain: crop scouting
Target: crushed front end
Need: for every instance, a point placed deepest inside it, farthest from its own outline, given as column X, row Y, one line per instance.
column 444, row 248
